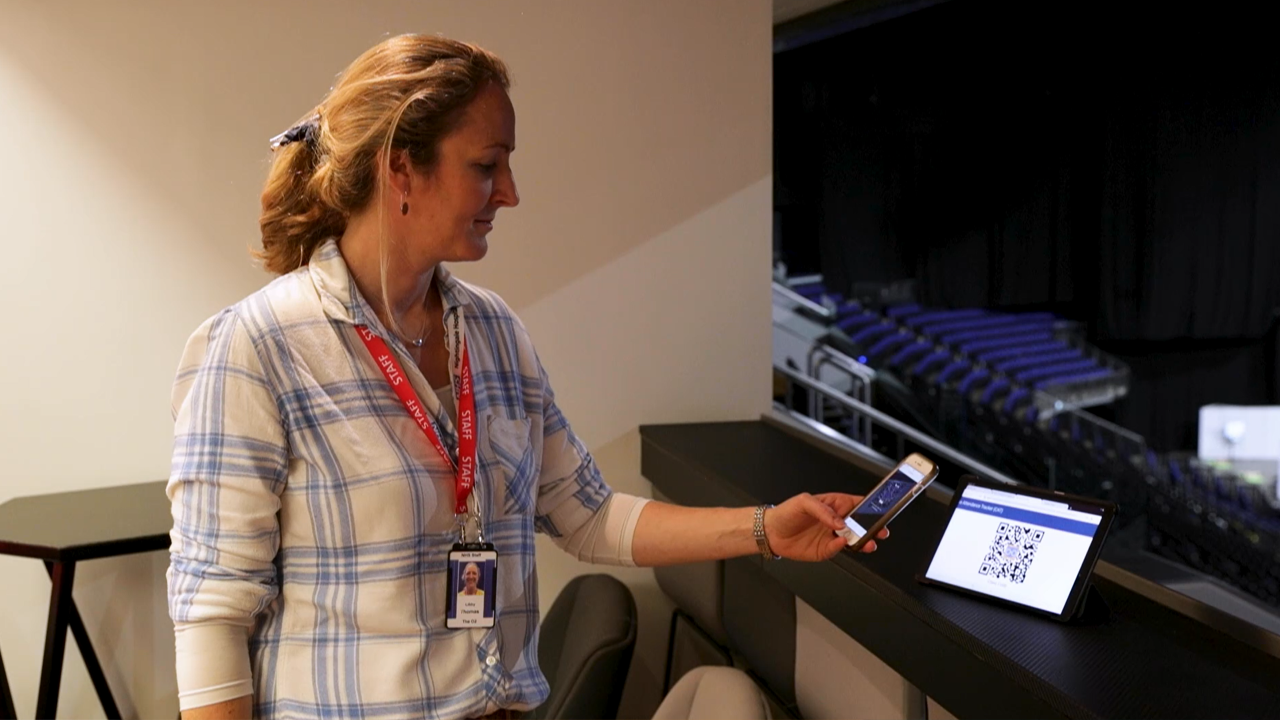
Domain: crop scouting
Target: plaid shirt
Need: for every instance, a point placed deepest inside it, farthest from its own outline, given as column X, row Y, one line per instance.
column 312, row 517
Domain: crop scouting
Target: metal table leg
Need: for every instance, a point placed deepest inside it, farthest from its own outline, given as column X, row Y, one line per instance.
column 55, row 639
column 63, row 615
column 6, row 697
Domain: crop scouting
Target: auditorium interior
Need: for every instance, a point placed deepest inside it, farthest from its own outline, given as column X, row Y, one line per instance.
column 1036, row 242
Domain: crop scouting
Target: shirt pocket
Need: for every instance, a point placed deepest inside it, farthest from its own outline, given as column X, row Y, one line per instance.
column 512, row 464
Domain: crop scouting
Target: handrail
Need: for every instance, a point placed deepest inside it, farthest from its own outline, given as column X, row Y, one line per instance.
column 846, row 363
column 860, row 389
column 897, row 426
column 801, row 300
column 788, row 419
column 1061, row 407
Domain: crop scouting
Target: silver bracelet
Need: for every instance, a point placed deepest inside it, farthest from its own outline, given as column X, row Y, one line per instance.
column 757, row 529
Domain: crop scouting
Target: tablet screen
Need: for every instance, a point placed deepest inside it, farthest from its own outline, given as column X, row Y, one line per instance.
column 1016, row 546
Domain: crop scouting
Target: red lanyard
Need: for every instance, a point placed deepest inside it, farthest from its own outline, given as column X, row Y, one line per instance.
column 464, row 468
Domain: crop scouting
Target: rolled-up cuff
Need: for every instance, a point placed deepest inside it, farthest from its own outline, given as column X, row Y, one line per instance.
column 632, row 516
column 606, row 538
column 212, row 663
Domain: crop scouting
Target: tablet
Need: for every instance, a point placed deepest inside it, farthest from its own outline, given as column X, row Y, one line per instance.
column 1022, row 546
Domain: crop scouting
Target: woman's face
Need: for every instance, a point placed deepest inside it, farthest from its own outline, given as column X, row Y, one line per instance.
column 452, row 207
column 471, row 577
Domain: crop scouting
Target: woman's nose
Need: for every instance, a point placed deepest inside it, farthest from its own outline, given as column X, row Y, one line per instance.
column 504, row 191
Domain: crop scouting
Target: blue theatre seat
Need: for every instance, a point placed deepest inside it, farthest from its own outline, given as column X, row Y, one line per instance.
column 955, row 368
column 994, row 389
column 1019, row 328
column 1022, row 350
column 910, row 352
column 978, row 322
column 972, row 379
column 1068, row 379
column 1004, row 342
column 851, row 323
column 871, row 332
column 1015, row 397
column 888, row 343
column 1032, row 361
column 923, row 318
column 1059, row 369
column 936, row 358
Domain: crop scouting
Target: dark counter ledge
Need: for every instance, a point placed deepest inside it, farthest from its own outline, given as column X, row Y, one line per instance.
column 974, row 658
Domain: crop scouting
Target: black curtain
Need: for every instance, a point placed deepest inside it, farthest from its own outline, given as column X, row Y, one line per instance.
column 1190, row 232
column 1121, row 170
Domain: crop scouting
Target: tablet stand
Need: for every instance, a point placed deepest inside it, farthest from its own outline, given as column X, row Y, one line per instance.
column 1093, row 609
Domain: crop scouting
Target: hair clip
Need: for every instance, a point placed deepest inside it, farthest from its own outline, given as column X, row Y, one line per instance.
column 305, row 131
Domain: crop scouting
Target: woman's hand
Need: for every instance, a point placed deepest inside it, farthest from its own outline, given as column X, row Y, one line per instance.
column 803, row 527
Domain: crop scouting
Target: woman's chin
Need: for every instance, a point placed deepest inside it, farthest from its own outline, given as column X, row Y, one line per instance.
column 476, row 248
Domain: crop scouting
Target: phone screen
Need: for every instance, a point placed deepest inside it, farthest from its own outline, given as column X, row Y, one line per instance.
column 882, row 499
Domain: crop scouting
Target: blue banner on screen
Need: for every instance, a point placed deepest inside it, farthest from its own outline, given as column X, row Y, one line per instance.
column 1044, row 520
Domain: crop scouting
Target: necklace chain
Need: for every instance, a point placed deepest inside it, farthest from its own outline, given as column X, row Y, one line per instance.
column 426, row 321
column 421, row 340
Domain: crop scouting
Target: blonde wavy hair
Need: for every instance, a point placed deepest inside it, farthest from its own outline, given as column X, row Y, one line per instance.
column 407, row 92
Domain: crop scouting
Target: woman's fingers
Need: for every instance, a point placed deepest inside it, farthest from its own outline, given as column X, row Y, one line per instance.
column 823, row 512
column 840, row 503
column 830, row 509
column 843, row 504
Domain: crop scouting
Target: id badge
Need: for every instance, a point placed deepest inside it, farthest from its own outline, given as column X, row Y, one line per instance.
column 473, row 585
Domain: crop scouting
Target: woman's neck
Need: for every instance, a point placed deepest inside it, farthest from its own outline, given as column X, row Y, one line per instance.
column 407, row 285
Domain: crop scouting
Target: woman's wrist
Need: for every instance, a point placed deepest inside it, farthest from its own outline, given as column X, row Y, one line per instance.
column 733, row 536
column 758, row 533
column 738, row 537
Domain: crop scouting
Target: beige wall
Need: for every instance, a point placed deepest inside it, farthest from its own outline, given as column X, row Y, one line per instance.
column 132, row 149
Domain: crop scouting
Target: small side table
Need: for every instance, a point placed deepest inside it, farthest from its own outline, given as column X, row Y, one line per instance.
column 62, row 529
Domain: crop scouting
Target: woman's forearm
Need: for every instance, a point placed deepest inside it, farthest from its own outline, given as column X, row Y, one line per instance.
column 671, row 534
column 240, row 708
column 803, row 527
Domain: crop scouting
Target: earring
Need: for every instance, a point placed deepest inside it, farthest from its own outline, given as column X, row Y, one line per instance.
column 404, row 205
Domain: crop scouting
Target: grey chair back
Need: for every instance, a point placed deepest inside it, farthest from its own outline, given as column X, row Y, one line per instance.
column 584, row 648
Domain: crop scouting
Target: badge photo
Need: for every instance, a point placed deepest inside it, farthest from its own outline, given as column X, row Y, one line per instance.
column 473, row 586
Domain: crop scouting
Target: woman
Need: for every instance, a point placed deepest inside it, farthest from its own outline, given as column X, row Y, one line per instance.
column 340, row 429
column 471, row 580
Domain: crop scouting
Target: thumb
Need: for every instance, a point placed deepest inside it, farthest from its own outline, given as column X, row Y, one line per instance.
column 833, row 547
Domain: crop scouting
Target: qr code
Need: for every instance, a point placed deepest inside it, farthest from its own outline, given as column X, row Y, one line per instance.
column 1011, row 553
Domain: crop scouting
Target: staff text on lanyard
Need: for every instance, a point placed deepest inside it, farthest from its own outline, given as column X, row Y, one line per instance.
column 465, row 466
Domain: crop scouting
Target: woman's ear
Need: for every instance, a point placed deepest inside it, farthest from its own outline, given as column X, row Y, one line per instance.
column 400, row 171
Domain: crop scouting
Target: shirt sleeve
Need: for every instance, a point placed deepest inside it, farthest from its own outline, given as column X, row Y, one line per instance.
column 573, row 507
column 229, row 468
column 606, row 538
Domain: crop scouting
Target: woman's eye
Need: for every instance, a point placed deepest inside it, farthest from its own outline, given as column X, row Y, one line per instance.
column 487, row 167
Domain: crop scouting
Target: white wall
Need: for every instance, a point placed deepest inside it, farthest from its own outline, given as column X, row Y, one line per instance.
column 132, row 151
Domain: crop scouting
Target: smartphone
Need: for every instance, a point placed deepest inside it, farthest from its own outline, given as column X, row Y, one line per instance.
column 902, row 485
